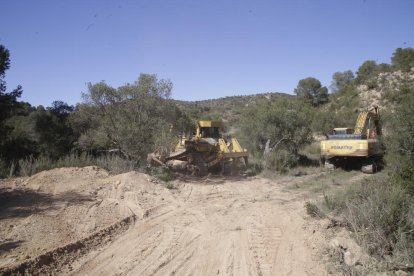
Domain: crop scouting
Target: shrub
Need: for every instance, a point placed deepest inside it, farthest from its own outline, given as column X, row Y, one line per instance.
column 166, row 176
column 3, row 168
column 312, row 209
column 403, row 58
column 130, row 118
column 333, row 202
column 281, row 160
column 275, row 131
column 255, row 166
column 380, row 214
column 115, row 164
column 170, row 186
column 405, row 177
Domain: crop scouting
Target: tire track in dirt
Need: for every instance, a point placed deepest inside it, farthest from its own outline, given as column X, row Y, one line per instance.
column 54, row 261
column 153, row 238
column 135, row 246
column 249, row 226
column 264, row 242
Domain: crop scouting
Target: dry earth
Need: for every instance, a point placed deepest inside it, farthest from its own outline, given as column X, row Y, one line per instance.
column 82, row 221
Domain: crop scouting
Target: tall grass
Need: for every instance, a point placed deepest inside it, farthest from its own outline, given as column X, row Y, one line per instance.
column 380, row 213
column 3, row 168
column 7, row 170
column 115, row 164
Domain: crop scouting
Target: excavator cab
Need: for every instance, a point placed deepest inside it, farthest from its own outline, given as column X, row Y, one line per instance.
column 343, row 130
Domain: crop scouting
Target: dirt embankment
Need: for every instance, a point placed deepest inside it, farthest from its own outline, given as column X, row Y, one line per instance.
column 83, row 221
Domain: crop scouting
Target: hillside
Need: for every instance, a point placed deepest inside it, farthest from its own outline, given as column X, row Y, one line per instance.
column 377, row 91
column 380, row 90
column 228, row 109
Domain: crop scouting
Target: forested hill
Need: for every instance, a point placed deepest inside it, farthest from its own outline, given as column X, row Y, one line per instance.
column 226, row 108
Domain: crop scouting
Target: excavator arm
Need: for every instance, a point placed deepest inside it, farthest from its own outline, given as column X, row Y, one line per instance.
column 363, row 122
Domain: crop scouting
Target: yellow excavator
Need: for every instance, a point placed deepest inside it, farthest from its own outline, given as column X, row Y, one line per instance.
column 205, row 151
column 360, row 146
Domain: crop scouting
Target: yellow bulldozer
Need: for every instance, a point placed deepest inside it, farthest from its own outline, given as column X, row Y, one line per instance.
column 360, row 146
column 204, row 151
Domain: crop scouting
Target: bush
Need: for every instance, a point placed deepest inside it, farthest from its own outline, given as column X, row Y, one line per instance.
column 340, row 112
column 366, row 71
column 281, row 160
column 312, row 209
column 403, row 58
column 371, row 83
column 274, row 131
column 400, row 140
column 129, row 118
column 380, row 214
column 164, row 175
column 3, row 168
column 334, row 203
column 405, row 177
column 115, row 164
column 378, row 217
column 255, row 166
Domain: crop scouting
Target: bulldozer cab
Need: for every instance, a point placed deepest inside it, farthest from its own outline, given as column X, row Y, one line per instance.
column 209, row 129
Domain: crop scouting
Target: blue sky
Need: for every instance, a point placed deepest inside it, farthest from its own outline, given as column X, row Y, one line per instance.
column 208, row 49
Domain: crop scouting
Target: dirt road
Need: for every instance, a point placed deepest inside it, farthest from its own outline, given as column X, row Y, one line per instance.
column 217, row 226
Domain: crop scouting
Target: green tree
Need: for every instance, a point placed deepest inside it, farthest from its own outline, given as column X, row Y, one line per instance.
column 130, row 118
column 403, row 59
column 51, row 130
column 4, row 60
column 8, row 101
column 9, row 107
column 275, row 131
column 384, row 67
column 341, row 80
column 311, row 90
column 367, row 70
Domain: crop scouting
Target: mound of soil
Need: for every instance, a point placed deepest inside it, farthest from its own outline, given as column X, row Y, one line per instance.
column 58, row 207
column 83, row 221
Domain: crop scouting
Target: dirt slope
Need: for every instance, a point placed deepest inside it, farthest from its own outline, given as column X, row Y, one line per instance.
column 129, row 225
